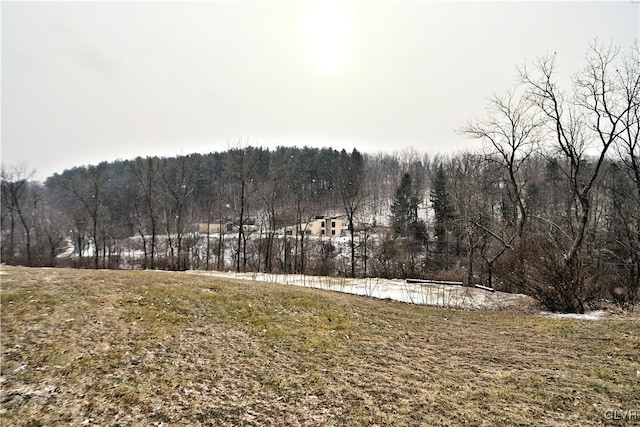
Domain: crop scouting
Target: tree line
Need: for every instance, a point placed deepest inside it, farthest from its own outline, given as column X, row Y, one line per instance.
column 549, row 206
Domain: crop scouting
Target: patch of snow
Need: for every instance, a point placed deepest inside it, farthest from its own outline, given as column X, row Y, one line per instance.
column 443, row 295
column 591, row 315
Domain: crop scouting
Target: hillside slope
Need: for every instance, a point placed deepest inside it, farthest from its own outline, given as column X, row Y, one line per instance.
column 87, row 347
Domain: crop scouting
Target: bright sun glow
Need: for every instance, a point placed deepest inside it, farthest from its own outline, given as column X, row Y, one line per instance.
column 327, row 32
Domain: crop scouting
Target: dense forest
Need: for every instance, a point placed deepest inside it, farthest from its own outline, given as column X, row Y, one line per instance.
column 549, row 204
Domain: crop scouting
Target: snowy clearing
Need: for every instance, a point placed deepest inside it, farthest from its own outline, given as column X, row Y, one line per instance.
column 395, row 289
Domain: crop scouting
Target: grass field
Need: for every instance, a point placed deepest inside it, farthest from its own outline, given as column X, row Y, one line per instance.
column 85, row 347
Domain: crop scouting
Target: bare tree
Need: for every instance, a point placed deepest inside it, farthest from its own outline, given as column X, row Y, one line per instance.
column 271, row 195
column 50, row 229
column 179, row 184
column 242, row 167
column 15, row 203
column 627, row 147
column 590, row 119
column 511, row 132
column 350, row 176
column 583, row 125
column 627, row 157
column 145, row 205
column 86, row 188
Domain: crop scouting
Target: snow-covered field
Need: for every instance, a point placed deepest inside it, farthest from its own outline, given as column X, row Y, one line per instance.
column 427, row 294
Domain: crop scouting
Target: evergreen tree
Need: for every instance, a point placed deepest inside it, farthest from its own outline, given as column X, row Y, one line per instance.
column 443, row 209
column 407, row 226
column 404, row 208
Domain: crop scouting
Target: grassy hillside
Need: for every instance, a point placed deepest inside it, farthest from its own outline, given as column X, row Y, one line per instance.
column 84, row 347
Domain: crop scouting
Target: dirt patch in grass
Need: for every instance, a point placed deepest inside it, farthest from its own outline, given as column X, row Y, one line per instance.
column 85, row 347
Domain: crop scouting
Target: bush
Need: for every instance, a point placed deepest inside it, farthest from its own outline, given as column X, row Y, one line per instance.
column 538, row 268
column 622, row 289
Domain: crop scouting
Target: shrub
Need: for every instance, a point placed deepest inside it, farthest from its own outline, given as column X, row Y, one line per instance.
column 538, row 268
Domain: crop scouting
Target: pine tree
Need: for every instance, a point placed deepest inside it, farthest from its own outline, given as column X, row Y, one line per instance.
column 443, row 209
column 404, row 208
column 404, row 212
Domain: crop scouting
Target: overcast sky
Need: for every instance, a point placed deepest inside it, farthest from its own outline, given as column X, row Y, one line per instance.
column 84, row 82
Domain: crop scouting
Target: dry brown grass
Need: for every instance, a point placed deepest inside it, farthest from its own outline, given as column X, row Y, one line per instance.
column 83, row 347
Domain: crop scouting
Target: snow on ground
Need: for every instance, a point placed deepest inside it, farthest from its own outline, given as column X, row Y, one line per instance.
column 399, row 290
column 591, row 315
column 395, row 289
